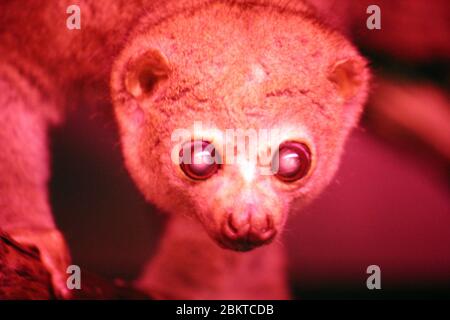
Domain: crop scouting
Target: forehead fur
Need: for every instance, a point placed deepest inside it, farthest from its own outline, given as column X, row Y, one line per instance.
column 238, row 65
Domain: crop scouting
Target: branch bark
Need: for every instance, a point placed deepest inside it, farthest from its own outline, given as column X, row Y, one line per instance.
column 24, row 276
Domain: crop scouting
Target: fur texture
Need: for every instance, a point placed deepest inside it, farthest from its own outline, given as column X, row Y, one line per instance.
column 230, row 64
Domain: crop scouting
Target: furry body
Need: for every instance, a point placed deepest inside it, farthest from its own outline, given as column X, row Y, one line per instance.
column 241, row 64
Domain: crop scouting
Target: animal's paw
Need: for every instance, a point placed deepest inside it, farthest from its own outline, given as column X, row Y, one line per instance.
column 53, row 252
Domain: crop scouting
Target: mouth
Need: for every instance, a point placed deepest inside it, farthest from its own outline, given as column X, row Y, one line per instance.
column 241, row 245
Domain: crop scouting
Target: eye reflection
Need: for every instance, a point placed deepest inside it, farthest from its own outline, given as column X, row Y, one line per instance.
column 292, row 161
column 198, row 159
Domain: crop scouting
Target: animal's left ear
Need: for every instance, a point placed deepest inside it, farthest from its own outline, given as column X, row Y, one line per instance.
column 350, row 77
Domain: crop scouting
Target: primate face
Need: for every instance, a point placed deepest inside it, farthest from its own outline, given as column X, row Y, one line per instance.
column 230, row 125
column 243, row 180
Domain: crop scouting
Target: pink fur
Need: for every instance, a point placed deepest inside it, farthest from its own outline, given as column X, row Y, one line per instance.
column 311, row 83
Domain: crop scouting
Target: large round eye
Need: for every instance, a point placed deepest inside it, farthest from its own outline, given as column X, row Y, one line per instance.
column 198, row 159
column 292, row 161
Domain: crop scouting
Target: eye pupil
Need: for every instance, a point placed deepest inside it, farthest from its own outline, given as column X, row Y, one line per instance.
column 292, row 161
column 197, row 160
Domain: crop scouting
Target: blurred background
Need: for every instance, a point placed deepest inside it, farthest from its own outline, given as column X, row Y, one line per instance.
column 389, row 204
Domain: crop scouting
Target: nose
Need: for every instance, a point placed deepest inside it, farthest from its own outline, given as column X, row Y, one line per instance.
column 248, row 229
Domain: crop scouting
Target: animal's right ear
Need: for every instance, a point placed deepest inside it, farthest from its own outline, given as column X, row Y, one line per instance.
column 145, row 72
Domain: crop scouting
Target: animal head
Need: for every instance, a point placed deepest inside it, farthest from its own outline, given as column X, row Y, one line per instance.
column 229, row 112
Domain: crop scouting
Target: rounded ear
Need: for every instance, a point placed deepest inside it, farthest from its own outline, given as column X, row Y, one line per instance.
column 145, row 72
column 349, row 76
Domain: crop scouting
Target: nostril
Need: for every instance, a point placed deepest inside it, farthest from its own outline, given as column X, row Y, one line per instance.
column 269, row 222
column 239, row 221
column 232, row 224
column 236, row 227
column 264, row 234
column 268, row 235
